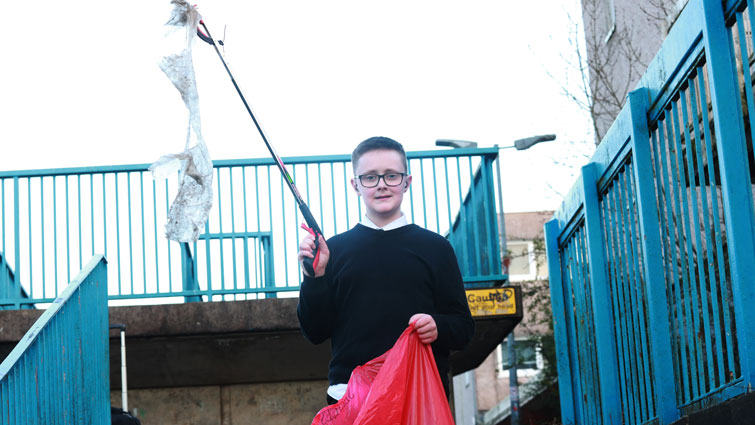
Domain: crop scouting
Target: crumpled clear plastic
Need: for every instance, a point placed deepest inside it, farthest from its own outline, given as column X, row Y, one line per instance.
column 400, row 387
column 191, row 207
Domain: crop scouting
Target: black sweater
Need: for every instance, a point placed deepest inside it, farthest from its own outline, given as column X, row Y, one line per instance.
column 374, row 282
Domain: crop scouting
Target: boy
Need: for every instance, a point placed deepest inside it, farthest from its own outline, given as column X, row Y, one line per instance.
column 383, row 274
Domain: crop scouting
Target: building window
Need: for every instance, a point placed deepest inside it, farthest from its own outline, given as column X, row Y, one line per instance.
column 523, row 265
column 528, row 353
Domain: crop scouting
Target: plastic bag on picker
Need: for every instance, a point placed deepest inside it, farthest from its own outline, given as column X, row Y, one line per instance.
column 191, row 207
column 401, row 387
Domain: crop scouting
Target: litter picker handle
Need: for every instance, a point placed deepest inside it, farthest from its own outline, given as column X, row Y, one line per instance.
column 310, row 264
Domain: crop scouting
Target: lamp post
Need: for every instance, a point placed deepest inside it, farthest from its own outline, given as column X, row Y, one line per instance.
column 520, row 145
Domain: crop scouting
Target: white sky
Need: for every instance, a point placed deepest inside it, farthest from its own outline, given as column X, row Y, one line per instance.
column 80, row 86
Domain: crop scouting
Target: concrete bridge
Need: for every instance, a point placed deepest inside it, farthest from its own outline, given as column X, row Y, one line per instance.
column 201, row 351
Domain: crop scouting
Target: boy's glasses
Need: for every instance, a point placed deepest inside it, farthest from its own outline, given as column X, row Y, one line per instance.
column 390, row 179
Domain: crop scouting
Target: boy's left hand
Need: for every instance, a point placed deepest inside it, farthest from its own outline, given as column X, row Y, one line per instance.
column 425, row 326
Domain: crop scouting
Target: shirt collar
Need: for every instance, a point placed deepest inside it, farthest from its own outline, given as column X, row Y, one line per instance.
column 395, row 224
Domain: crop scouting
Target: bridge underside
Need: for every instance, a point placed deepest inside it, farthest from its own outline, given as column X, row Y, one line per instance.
column 218, row 343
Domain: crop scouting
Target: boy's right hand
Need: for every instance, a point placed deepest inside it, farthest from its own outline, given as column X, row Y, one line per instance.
column 306, row 247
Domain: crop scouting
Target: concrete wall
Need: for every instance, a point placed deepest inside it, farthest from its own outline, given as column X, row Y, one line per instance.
column 243, row 404
column 224, row 363
column 491, row 389
column 464, row 404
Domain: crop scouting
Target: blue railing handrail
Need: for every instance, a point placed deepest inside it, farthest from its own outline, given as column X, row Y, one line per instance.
column 58, row 373
column 31, row 335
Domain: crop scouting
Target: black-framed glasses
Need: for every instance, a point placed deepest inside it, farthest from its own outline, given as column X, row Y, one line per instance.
column 390, row 179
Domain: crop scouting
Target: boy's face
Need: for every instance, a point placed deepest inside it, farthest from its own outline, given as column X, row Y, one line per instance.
column 383, row 202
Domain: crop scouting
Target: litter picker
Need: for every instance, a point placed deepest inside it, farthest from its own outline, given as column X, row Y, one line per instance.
column 309, row 263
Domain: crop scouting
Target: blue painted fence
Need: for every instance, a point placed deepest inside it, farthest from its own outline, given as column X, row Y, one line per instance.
column 474, row 232
column 50, row 220
column 652, row 254
column 59, row 371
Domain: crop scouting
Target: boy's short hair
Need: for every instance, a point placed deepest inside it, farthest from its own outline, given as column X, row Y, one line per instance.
column 377, row 143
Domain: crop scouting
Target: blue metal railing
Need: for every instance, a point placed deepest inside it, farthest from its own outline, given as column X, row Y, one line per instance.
column 59, row 371
column 51, row 219
column 652, row 253
column 474, row 228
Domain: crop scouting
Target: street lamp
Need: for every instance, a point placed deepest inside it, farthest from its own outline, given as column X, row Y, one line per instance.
column 520, row 145
column 456, row 144
column 528, row 142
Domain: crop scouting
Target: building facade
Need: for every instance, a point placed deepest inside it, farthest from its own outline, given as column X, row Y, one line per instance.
column 490, row 381
column 621, row 38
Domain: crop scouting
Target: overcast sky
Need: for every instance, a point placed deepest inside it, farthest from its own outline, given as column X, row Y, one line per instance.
column 80, row 86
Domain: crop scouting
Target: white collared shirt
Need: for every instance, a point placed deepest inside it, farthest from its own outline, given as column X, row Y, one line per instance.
column 337, row 391
column 395, row 224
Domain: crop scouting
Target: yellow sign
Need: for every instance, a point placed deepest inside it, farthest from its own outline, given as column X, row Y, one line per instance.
column 491, row 301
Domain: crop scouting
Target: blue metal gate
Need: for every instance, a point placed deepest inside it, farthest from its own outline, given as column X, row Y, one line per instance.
column 652, row 253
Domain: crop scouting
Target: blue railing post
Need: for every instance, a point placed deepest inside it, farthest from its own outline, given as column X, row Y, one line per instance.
column 188, row 277
column 494, row 250
column 267, row 247
column 735, row 179
column 652, row 260
column 560, row 334
column 599, row 287
column 16, row 247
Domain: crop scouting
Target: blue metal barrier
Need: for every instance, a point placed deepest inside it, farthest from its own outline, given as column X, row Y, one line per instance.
column 652, row 253
column 59, row 371
column 473, row 230
column 51, row 219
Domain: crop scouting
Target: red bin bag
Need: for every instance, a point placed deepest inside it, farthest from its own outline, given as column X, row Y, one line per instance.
column 401, row 387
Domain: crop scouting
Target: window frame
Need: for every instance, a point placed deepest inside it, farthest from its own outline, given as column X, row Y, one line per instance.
column 502, row 372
